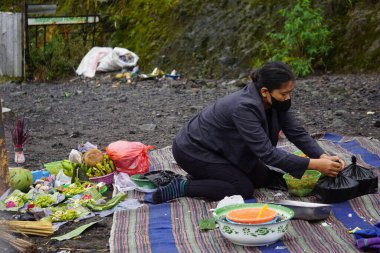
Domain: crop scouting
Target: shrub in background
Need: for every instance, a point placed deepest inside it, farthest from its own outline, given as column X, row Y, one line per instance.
column 59, row 58
column 304, row 40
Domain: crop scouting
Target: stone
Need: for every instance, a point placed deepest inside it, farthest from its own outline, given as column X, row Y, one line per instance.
column 195, row 108
column 340, row 112
column 338, row 123
column 148, row 127
column 75, row 134
column 18, row 93
column 122, row 99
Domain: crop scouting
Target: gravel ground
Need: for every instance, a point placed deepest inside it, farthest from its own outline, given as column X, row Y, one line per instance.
column 102, row 110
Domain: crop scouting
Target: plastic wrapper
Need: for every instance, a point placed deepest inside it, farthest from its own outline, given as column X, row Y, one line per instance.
column 61, row 179
column 44, row 185
column 123, row 182
column 368, row 181
column 86, row 147
column 119, row 58
column 338, row 189
column 75, row 156
column 129, row 157
column 230, row 200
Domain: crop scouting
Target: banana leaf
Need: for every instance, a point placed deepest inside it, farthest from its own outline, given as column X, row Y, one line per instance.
column 74, row 233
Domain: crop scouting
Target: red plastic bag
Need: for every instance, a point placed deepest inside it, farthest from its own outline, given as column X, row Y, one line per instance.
column 129, row 157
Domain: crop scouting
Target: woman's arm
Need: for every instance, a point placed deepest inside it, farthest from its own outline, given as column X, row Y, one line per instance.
column 328, row 165
column 248, row 121
column 299, row 136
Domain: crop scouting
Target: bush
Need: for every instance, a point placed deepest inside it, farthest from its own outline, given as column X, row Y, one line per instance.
column 59, row 58
column 304, row 39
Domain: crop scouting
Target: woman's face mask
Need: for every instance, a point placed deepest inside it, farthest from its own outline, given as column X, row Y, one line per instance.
column 280, row 99
column 281, row 106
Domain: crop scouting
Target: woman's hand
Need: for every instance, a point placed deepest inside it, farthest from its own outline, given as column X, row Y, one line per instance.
column 327, row 165
column 334, row 159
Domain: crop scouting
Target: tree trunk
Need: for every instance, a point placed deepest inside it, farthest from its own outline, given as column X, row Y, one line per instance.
column 4, row 166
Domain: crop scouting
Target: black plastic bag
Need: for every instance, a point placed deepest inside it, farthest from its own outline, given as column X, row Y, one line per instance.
column 338, row 189
column 368, row 182
column 160, row 177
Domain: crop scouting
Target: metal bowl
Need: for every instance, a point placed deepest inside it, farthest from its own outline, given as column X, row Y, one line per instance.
column 307, row 210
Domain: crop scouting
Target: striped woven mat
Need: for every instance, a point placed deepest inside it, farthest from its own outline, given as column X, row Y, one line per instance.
column 174, row 226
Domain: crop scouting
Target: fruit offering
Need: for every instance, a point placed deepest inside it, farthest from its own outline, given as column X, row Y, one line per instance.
column 95, row 164
column 100, row 169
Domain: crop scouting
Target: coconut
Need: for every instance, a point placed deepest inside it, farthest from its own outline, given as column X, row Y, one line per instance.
column 21, row 178
column 92, row 157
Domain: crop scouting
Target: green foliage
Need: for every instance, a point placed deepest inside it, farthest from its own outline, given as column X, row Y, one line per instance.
column 59, row 58
column 141, row 26
column 11, row 6
column 5, row 79
column 194, row 36
column 304, row 39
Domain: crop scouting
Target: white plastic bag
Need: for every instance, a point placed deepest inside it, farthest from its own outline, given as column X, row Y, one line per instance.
column 106, row 59
column 90, row 61
column 123, row 183
column 75, row 156
column 231, row 200
column 86, row 147
column 61, row 179
column 118, row 59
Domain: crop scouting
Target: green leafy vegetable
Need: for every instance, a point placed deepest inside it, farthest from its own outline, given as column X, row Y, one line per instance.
column 63, row 214
column 44, row 200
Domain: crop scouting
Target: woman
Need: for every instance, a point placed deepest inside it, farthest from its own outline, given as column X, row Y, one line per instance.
column 226, row 148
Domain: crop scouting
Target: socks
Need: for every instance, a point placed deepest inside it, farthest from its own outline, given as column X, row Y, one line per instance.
column 175, row 189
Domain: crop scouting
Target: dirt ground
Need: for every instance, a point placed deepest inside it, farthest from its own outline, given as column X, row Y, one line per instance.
column 101, row 110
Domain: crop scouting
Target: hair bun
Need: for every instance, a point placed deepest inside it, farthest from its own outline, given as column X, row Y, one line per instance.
column 255, row 76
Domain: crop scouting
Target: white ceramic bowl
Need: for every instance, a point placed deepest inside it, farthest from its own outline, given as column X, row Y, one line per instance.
column 253, row 234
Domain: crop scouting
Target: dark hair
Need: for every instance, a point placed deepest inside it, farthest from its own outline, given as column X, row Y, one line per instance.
column 272, row 75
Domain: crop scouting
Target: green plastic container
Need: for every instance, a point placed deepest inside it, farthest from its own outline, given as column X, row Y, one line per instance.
column 142, row 183
column 302, row 187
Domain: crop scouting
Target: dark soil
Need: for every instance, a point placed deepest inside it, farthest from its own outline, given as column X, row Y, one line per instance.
column 61, row 115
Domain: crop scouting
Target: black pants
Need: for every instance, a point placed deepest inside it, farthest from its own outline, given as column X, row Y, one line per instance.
column 215, row 181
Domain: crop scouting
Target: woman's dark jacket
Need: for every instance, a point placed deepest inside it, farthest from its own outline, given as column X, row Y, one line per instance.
column 235, row 130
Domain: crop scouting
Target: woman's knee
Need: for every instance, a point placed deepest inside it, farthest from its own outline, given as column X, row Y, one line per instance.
column 230, row 190
column 245, row 190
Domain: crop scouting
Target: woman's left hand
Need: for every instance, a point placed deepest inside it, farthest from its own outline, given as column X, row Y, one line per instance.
column 334, row 159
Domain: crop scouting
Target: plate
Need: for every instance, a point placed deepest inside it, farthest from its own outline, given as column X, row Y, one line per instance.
column 250, row 215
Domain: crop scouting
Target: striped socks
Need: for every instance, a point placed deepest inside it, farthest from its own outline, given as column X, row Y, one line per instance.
column 175, row 189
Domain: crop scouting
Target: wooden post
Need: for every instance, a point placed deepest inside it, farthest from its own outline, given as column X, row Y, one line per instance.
column 4, row 166
column 27, row 71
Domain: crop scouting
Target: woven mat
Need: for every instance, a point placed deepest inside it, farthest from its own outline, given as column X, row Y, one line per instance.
column 174, row 226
